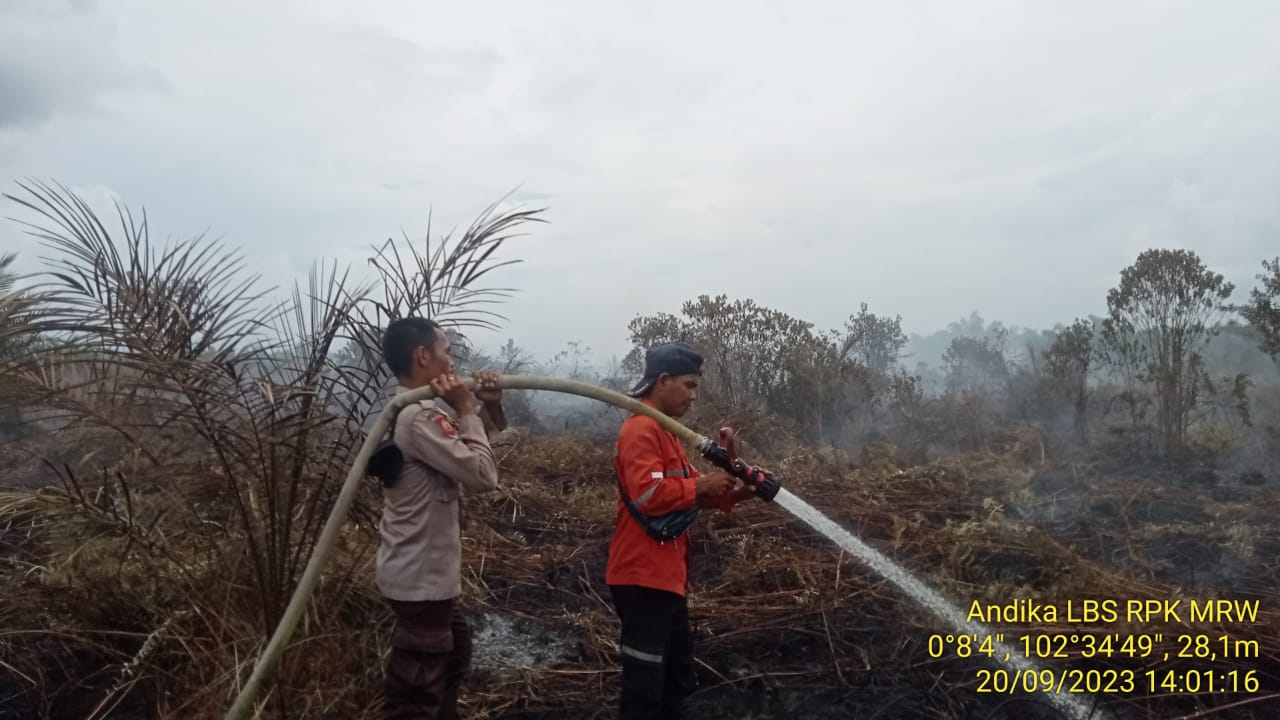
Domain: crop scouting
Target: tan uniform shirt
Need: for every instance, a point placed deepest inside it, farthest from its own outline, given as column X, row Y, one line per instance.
column 420, row 555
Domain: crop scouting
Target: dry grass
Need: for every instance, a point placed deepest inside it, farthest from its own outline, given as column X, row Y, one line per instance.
column 116, row 607
column 779, row 607
column 179, row 465
column 185, row 434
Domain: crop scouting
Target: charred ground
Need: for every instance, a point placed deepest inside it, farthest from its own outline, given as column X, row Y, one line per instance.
column 173, row 444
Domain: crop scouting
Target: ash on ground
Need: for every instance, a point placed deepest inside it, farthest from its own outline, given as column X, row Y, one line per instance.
column 504, row 640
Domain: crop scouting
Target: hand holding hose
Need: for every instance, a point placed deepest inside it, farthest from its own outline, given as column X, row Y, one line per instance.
column 450, row 388
column 713, row 484
column 487, row 390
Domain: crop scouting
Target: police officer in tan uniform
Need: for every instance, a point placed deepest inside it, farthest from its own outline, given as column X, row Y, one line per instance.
column 419, row 558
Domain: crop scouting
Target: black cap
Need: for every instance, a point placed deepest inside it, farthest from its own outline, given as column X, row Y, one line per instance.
column 673, row 358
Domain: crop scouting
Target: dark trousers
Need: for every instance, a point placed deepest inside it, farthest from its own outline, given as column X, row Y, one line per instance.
column 657, row 653
column 430, row 656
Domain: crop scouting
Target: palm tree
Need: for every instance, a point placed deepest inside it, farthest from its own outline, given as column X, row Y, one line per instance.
column 172, row 362
column 12, row 302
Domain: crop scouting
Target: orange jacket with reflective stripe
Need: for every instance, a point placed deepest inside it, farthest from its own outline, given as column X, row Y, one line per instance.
column 656, row 474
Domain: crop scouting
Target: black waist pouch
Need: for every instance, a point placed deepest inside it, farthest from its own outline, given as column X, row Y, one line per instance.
column 664, row 527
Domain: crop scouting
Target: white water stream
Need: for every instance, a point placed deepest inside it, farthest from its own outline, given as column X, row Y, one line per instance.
column 1072, row 705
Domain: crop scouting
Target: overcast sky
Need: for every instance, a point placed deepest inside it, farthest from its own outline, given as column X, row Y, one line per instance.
column 929, row 158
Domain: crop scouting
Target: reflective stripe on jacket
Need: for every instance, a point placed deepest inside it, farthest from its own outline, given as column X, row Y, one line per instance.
column 656, row 474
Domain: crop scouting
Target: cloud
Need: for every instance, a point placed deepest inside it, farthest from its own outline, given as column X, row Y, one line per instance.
column 930, row 158
column 60, row 57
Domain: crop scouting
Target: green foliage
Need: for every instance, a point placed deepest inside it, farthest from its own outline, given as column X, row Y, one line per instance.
column 761, row 364
column 20, row 343
column 16, row 308
column 975, row 364
column 1161, row 317
column 1067, row 361
column 1263, row 309
column 875, row 341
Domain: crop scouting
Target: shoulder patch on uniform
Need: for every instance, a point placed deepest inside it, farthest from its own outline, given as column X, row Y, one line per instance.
column 446, row 425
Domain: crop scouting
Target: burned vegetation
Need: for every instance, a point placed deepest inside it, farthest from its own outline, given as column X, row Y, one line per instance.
column 175, row 435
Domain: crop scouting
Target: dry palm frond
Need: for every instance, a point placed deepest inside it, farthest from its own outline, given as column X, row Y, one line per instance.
column 439, row 281
column 215, row 424
column 17, row 308
column 187, row 300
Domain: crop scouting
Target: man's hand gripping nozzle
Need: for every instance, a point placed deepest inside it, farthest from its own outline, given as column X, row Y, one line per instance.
column 766, row 484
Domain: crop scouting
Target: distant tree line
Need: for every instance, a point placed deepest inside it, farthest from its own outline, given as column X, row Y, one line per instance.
column 1138, row 379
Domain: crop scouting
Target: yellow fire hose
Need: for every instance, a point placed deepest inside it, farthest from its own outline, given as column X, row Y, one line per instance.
column 270, row 657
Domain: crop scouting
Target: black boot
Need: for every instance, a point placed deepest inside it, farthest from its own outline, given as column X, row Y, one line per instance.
column 449, row 704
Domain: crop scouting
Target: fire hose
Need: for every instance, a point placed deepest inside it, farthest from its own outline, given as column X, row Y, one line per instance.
column 766, row 486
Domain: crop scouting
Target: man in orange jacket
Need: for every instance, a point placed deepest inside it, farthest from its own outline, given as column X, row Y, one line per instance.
column 660, row 494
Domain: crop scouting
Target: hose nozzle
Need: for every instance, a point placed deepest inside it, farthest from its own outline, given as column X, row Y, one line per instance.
column 766, row 483
column 722, row 455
